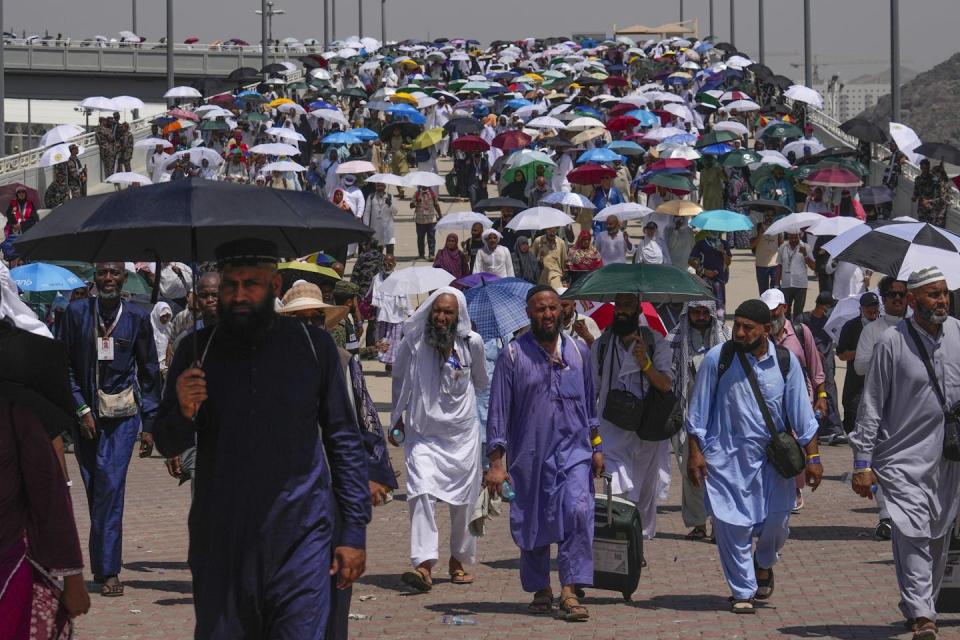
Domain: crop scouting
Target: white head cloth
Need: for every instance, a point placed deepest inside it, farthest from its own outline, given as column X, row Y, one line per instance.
column 15, row 309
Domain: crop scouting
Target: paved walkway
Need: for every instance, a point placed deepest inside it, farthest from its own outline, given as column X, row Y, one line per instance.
column 835, row 580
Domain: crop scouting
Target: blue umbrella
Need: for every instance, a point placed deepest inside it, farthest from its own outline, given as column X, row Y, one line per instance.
column 599, row 155
column 341, row 137
column 716, row 149
column 626, row 147
column 516, row 103
column 406, row 111
column 40, row 276
column 646, row 118
column 475, row 279
column 364, row 134
column 498, row 308
column 721, row 220
column 320, row 104
column 680, row 138
column 588, row 111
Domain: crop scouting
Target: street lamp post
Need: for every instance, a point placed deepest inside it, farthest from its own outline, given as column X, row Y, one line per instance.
column 333, row 19
column 360, row 18
column 265, row 38
column 807, row 51
column 681, row 10
column 3, row 95
column 326, row 24
column 760, row 19
column 895, row 60
column 711, row 17
column 267, row 11
column 134, row 25
column 170, row 75
column 733, row 24
column 383, row 21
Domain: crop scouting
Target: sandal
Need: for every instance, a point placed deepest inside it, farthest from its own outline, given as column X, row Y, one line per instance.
column 765, row 586
column 461, row 577
column 542, row 602
column 925, row 630
column 697, row 533
column 418, row 580
column 742, row 606
column 112, row 587
column 573, row 613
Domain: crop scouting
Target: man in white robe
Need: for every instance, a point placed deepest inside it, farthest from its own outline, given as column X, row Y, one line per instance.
column 379, row 214
column 439, row 368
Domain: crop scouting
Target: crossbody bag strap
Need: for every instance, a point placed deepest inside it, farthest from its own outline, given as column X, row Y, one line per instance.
column 752, row 379
column 925, row 357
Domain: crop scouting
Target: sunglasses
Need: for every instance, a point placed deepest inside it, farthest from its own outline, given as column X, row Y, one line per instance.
column 895, row 294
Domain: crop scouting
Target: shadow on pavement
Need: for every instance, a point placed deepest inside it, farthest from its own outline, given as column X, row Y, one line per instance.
column 695, row 602
column 150, row 566
column 826, row 532
column 173, row 586
column 172, row 602
column 847, row 631
column 462, row 608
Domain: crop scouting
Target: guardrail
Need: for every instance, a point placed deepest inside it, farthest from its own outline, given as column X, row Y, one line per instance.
column 88, row 44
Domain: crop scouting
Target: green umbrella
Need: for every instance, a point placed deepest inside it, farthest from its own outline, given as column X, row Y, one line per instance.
column 845, row 163
column 410, row 88
column 455, row 85
column 672, row 181
column 717, row 137
column 354, row 92
column 298, row 85
column 553, row 73
column 782, row 130
column 253, row 116
column 479, row 87
column 214, row 125
column 652, row 282
column 740, row 158
column 708, row 100
column 765, row 171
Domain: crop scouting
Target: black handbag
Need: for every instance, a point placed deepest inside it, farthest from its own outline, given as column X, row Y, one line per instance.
column 951, row 415
column 783, row 452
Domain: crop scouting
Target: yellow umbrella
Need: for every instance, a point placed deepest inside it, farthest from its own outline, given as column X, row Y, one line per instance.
column 279, row 101
column 680, row 208
column 310, row 267
column 428, row 138
column 400, row 96
column 533, row 77
column 409, row 64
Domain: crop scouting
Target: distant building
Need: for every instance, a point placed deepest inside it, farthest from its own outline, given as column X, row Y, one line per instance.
column 845, row 100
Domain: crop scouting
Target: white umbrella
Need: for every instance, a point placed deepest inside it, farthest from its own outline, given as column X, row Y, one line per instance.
column 426, row 101
column 805, row 94
column 661, row 133
column 590, row 134
column 286, row 134
column 282, row 165
column 769, row 156
column 130, row 35
column 679, row 110
column 680, row 151
column 275, row 149
column 150, row 143
column 567, row 199
column 291, row 107
column 182, row 92
column 414, row 280
column 356, row 166
column 732, row 125
column 329, row 115
column 834, row 226
column 846, row 309
column 56, row 155
column 545, row 122
column 637, row 100
column 198, row 154
column 625, row 211
column 127, row 103
column 422, row 179
column 129, row 177
column 320, row 74
column 740, row 105
column 907, row 140
column 99, row 103
column 536, row 218
column 793, row 223
column 387, row 179
column 212, row 111
column 799, row 147
column 463, row 220
column 582, row 124
column 60, row 133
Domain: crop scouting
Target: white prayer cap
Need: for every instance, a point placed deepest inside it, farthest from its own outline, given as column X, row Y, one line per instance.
column 923, row 277
column 773, row 298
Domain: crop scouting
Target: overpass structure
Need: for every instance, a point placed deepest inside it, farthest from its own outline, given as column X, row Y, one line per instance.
column 73, row 71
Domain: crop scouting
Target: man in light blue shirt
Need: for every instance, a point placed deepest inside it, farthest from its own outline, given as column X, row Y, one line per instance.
column 745, row 494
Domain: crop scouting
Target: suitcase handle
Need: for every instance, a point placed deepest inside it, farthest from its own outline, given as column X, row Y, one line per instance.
column 608, row 488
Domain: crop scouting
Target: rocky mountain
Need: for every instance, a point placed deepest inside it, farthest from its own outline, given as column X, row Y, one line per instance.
column 929, row 103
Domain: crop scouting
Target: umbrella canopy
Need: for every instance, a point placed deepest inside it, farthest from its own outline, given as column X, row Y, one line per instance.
column 128, row 177
column 590, row 174
column 624, row 211
column 198, row 154
column 407, row 130
column 601, row 154
column 782, row 130
column 511, row 140
column 60, row 133
column 899, row 249
column 470, row 144
column 794, row 223
column 427, row 139
column 414, row 280
column 463, row 125
column 875, row 195
column 721, row 220
column 39, row 276
column 99, row 103
column 537, row 218
column 834, row 226
column 9, row 191
column 651, row 282
column 833, row 177
column 495, row 204
column 463, row 220
column 422, row 179
column 340, row 137
column 56, row 154
column 675, row 182
column 283, row 165
column 545, row 122
column 567, row 199
column 732, row 125
column 275, row 149
column 186, row 220
column 862, row 129
column 805, row 94
column 680, row 208
column 498, row 308
column 475, row 280
column 622, row 123
column 386, row 178
column 939, row 151
column 183, row 93
column 356, row 166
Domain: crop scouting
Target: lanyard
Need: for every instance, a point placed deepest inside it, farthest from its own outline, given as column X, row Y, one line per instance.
column 107, row 331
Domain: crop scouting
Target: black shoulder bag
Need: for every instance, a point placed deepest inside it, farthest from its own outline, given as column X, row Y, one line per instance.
column 784, row 451
column 951, row 415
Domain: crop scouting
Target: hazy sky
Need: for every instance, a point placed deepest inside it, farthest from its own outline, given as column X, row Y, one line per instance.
column 844, row 31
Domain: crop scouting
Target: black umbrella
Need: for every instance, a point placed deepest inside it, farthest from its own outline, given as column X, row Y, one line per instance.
column 493, row 204
column 243, row 74
column 273, row 67
column 939, row 151
column 875, row 195
column 354, row 92
column 778, row 109
column 764, row 204
column 186, row 220
column 462, row 125
column 407, row 130
column 726, row 47
column 557, row 142
column 762, row 71
column 781, row 82
column 863, row 129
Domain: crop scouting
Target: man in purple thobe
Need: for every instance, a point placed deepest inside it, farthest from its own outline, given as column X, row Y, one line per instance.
column 543, row 414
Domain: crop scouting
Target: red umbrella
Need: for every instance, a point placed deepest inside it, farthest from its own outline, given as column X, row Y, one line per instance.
column 669, row 163
column 191, row 40
column 665, row 116
column 510, row 140
column 622, row 123
column 602, row 314
column 223, row 100
column 186, row 115
column 590, row 173
column 833, row 177
column 9, row 192
column 615, row 81
column 620, row 109
column 470, row 144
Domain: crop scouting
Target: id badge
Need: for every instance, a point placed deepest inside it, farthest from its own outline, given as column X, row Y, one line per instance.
column 104, row 349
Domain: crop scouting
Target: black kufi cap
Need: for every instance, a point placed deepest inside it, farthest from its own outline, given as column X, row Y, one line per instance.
column 755, row 310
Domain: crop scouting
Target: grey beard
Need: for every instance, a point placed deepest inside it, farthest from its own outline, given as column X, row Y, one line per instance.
column 778, row 325
column 931, row 315
column 440, row 338
column 113, row 295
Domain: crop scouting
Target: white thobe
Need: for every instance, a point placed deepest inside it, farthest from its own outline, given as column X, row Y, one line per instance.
column 649, row 251
column 499, row 262
column 379, row 216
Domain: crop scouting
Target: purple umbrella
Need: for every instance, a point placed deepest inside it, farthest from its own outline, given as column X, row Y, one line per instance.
column 475, row 279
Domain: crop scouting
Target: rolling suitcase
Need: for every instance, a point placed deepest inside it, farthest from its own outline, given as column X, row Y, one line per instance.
column 949, row 599
column 617, row 543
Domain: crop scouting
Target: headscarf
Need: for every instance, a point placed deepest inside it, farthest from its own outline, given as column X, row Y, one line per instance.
column 15, row 309
column 161, row 331
column 485, row 235
column 450, row 260
column 584, row 259
column 416, row 324
column 529, row 266
column 679, row 340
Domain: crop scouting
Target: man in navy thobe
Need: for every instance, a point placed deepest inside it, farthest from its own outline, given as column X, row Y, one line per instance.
column 111, row 350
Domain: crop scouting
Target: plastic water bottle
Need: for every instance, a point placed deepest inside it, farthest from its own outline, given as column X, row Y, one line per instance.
column 818, row 415
column 457, row 620
column 507, row 492
column 397, row 434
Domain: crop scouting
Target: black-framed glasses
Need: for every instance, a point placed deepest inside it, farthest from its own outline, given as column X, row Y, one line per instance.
column 895, row 294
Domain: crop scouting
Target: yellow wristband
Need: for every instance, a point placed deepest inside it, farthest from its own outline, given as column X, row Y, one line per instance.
column 811, row 456
column 648, row 365
column 596, row 442
column 864, row 470
column 823, row 394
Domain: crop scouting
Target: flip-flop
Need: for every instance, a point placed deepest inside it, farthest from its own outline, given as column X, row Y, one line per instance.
column 112, row 590
column 765, row 586
column 461, row 577
column 542, row 603
column 417, row 580
column 697, row 533
column 573, row 613
column 742, row 606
